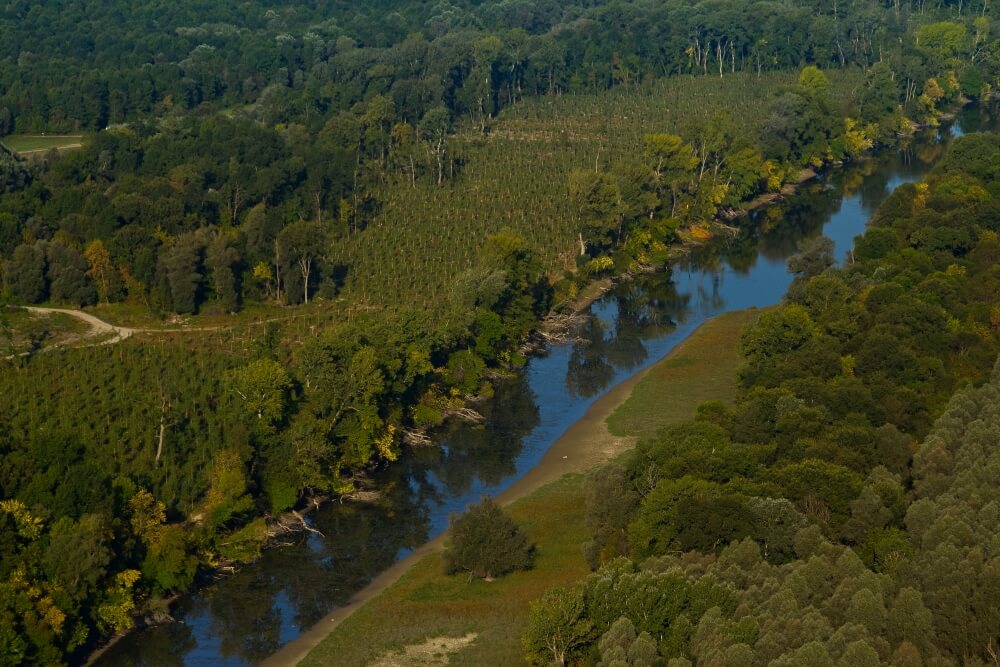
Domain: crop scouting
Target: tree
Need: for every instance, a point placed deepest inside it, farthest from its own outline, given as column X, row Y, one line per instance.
column 485, row 542
column 78, row 554
column 611, row 501
column 777, row 333
column 303, row 243
column 14, row 174
column 67, row 274
column 100, row 268
column 263, row 386
column 673, row 163
column 404, row 150
column 25, row 273
column 557, row 626
column 223, row 259
column 598, row 199
column 621, row 647
column 814, row 82
column 183, row 265
column 434, row 128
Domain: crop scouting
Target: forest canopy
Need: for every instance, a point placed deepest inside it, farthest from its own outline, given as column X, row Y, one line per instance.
column 302, row 161
column 840, row 511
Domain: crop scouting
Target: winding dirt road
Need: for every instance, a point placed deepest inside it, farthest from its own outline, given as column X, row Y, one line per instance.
column 98, row 327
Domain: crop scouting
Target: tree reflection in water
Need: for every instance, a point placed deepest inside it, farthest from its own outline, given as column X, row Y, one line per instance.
column 249, row 615
column 243, row 618
column 470, row 453
column 612, row 340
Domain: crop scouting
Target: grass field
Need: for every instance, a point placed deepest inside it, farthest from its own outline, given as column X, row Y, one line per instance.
column 701, row 369
column 27, row 143
column 427, row 605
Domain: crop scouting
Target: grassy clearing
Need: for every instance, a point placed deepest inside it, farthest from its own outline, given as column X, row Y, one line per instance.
column 703, row 368
column 425, row 604
column 27, row 331
column 27, row 143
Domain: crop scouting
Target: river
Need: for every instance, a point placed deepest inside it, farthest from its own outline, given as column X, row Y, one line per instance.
column 242, row 619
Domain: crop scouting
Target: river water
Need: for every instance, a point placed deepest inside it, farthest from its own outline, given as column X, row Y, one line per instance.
column 242, row 619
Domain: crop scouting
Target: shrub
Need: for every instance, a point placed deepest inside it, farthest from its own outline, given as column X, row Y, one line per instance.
column 486, row 543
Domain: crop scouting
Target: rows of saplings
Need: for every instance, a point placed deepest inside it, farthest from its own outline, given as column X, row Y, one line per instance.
column 838, row 513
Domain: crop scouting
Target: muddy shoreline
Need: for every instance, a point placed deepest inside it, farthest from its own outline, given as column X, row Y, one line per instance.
column 586, row 444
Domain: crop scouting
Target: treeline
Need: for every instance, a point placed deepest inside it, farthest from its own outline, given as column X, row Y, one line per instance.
column 803, row 525
column 220, row 211
column 221, row 208
column 84, row 65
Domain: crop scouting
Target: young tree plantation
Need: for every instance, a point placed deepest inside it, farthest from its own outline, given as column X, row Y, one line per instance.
column 319, row 231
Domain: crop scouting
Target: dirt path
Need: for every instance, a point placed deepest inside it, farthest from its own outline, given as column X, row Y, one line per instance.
column 64, row 147
column 98, row 327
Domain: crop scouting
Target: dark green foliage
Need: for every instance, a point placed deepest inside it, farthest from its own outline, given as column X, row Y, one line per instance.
column 14, row 174
column 486, row 543
column 465, row 369
column 78, row 554
column 223, row 263
column 611, row 500
column 621, row 647
column 954, row 555
column 183, row 267
column 840, row 381
column 67, row 274
column 24, row 273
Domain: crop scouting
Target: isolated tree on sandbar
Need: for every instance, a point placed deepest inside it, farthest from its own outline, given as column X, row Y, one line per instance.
column 486, row 543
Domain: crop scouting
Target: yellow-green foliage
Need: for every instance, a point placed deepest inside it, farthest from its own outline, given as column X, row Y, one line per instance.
column 514, row 178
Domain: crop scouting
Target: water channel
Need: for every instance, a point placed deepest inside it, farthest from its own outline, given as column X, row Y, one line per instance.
column 241, row 619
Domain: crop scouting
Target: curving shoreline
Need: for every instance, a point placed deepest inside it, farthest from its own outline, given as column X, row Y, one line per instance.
column 586, row 444
column 550, row 468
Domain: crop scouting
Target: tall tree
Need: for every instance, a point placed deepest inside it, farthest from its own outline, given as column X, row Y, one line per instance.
column 223, row 262
column 183, row 265
column 303, row 244
column 100, row 269
column 24, row 273
column 67, row 274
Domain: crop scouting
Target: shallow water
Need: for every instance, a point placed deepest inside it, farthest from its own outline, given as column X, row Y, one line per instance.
column 242, row 619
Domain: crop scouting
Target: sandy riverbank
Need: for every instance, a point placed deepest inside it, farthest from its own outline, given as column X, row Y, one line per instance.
column 586, row 444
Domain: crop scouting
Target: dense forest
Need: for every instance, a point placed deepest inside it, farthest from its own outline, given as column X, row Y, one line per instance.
column 843, row 511
column 292, row 157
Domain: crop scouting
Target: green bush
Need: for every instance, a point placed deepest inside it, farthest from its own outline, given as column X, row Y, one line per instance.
column 486, row 543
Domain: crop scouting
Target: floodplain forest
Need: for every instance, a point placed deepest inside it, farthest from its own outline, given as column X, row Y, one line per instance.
column 841, row 512
column 333, row 225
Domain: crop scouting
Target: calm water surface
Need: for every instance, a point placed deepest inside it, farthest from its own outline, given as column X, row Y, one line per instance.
column 240, row 620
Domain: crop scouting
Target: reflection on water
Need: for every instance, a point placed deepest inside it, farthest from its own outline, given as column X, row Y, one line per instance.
column 242, row 619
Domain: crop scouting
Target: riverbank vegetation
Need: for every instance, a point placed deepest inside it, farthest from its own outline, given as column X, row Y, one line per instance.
column 718, row 536
column 427, row 603
column 817, row 468
column 422, row 184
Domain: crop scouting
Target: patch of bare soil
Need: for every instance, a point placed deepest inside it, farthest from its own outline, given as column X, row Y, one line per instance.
column 431, row 653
